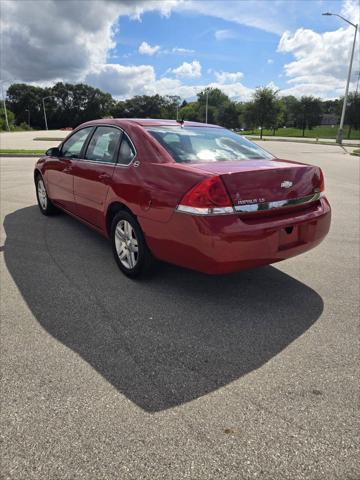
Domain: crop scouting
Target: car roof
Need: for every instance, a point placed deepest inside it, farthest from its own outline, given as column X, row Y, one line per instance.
column 164, row 122
column 144, row 122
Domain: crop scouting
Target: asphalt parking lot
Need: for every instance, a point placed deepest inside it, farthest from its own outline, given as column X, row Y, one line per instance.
column 248, row 376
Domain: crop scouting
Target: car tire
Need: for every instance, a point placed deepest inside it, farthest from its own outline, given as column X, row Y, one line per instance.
column 44, row 202
column 129, row 246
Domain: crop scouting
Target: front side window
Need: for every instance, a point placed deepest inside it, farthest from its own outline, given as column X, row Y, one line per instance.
column 127, row 152
column 206, row 144
column 103, row 145
column 72, row 147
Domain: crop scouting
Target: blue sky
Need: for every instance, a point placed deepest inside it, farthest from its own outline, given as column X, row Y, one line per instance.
column 247, row 49
column 181, row 46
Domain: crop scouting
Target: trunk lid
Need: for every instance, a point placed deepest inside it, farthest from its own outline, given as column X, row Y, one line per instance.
column 259, row 181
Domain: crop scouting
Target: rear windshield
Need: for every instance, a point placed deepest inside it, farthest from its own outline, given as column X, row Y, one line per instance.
column 206, row 144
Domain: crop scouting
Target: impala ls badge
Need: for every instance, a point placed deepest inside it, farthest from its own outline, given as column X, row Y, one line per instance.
column 286, row 184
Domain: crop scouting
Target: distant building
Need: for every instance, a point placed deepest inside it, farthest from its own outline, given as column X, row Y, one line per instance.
column 329, row 119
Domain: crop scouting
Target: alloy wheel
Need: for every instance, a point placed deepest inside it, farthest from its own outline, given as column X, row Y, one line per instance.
column 126, row 244
column 42, row 195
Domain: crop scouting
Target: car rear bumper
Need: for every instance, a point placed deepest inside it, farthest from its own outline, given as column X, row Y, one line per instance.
column 229, row 243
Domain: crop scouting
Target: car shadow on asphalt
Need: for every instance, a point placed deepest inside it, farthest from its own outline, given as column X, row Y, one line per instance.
column 163, row 341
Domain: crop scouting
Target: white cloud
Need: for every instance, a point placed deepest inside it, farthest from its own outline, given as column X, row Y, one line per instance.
column 350, row 10
column 270, row 60
column 127, row 81
column 170, row 86
column 190, row 70
column 176, row 51
column 146, row 49
column 121, row 81
column 228, row 77
column 34, row 48
column 321, row 60
column 273, row 86
column 236, row 90
column 271, row 16
column 224, row 34
column 184, row 51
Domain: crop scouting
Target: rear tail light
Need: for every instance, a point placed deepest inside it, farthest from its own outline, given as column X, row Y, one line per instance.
column 208, row 197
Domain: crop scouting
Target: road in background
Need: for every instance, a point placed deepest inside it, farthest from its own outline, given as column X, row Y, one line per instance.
column 331, row 141
column 247, row 376
column 25, row 140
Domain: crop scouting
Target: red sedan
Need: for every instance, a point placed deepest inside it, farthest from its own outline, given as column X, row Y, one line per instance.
column 192, row 194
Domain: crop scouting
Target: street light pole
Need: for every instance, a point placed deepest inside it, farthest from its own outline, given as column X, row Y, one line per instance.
column 5, row 111
column 43, row 104
column 339, row 137
column 206, row 106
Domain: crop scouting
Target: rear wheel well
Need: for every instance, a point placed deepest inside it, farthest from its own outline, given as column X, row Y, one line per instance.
column 112, row 210
column 36, row 174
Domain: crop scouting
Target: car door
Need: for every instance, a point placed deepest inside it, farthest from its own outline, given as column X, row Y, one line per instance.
column 60, row 171
column 93, row 173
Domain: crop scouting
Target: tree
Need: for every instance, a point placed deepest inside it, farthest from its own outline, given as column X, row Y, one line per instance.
column 352, row 116
column 227, row 115
column 216, row 99
column 248, row 116
column 22, row 97
column 308, row 114
column 190, row 112
column 332, row 106
column 264, row 107
column 66, row 105
column 279, row 115
column 74, row 104
column 119, row 110
column 10, row 117
column 290, row 109
column 144, row 106
column 170, row 106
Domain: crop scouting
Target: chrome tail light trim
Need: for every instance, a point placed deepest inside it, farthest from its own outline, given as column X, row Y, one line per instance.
column 256, row 207
column 205, row 211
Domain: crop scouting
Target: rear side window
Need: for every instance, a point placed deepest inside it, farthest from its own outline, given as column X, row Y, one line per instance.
column 206, row 144
column 127, row 152
column 103, row 145
column 72, row 147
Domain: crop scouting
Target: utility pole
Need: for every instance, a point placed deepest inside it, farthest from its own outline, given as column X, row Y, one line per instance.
column 340, row 133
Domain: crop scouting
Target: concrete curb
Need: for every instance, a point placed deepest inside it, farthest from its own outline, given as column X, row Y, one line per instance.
column 269, row 139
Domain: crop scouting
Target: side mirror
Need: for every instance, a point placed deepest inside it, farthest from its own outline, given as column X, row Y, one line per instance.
column 53, row 152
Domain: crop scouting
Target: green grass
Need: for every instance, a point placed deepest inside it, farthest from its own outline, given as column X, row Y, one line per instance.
column 49, row 139
column 357, row 150
column 323, row 131
column 22, row 152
